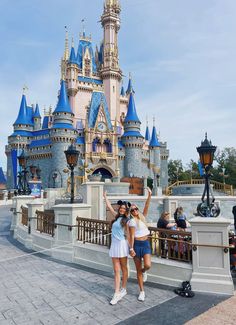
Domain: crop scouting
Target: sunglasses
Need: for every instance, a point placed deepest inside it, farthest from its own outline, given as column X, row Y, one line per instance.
column 134, row 209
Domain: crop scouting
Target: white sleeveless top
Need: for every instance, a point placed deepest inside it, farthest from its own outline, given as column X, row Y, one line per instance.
column 141, row 229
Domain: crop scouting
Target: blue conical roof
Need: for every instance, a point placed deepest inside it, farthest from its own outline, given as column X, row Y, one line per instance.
column 122, row 92
column 36, row 112
column 72, row 56
column 63, row 105
column 130, row 86
column 23, row 116
column 147, row 134
column 2, row 177
column 131, row 113
column 154, row 140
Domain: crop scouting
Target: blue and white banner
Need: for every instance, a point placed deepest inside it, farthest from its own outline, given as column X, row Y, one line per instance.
column 200, row 168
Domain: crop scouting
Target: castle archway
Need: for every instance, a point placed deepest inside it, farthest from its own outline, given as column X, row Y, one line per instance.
column 106, row 173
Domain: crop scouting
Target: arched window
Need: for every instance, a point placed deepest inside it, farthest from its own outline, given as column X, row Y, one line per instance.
column 107, row 146
column 96, row 145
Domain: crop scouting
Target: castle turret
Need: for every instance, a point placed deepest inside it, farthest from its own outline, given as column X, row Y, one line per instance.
column 132, row 141
column 62, row 132
column 37, row 118
column 72, row 76
column 154, row 146
column 110, row 70
column 130, row 86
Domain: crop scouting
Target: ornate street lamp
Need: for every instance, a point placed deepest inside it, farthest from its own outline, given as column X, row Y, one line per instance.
column 33, row 171
column 206, row 153
column 23, row 186
column 72, row 156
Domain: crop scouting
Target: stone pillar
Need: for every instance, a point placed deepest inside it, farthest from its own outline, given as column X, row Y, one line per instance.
column 93, row 195
column 18, row 201
column 52, row 195
column 66, row 214
column 33, row 206
column 211, row 265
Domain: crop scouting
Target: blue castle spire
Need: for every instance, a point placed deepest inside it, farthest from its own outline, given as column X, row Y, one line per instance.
column 154, row 140
column 130, row 86
column 63, row 105
column 131, row 113
column 147, row 134
column 36, row 112
column 23, row 115
column 72, row 54
column 122, row 92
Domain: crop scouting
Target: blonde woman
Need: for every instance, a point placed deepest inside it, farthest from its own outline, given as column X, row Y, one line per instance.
column 119, row 249
column 140, row 248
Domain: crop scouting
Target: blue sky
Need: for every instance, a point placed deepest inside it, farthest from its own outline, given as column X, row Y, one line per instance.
column 181, row 53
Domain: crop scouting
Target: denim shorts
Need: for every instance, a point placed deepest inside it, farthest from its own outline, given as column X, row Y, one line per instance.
column 142, row 247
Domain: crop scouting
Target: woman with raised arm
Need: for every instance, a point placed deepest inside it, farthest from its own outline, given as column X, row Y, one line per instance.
column 140, row 248
column 119, row 249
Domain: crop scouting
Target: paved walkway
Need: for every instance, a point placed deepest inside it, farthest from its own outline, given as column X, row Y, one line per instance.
column 35, row 289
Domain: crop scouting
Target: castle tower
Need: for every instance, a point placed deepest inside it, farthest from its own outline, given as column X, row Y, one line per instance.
column 154, row 147
column 132, row 141
column 37, row 118
column 62, row 132
column 72, row 76
column 110, row 70
column 18, row 140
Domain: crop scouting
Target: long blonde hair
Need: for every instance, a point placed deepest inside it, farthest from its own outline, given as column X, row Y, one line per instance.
column 140, row 216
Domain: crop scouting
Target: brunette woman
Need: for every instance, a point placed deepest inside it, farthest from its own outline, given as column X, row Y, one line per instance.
column 119, row 249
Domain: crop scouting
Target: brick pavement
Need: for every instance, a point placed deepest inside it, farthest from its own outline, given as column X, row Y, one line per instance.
column 38, row 290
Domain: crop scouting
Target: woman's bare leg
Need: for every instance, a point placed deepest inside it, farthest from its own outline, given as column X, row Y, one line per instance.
column 124, row 269
column 116, row 268
column 138, row 264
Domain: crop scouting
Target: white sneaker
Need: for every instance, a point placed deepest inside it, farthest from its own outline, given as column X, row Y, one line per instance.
column 123, row 292
column 115, row 299
column 141, row 296
column 144, row 276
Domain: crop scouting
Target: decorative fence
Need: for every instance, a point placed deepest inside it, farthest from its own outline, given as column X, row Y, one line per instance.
column 46, row 221
column 171, row 244
column 25, row 217
column 94, row 231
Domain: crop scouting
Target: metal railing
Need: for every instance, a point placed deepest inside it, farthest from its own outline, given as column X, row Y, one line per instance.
column 171, row 244
column 46, row 222
column 94, row 231
column 25, row 217
column 217, row 186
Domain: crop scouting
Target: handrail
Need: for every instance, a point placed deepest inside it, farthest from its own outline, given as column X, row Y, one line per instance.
column 222, row 187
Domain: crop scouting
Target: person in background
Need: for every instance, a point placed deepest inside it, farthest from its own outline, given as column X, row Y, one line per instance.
column 181, row 219
column 119, row 249
column 140, row 248
column 164, row 221
column 234, row 213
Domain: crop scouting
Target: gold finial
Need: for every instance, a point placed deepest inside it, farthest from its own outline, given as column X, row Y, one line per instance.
column 50, row 110
column 83, row 25
column 154, row 120
column 66, row 52
column 25, row 88
column 147, row 120
column 72, row 42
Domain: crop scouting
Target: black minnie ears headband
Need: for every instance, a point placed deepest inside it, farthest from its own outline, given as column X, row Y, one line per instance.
column 128, row 204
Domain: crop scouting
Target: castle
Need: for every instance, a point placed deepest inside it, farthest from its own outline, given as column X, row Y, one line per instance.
column 95, row 113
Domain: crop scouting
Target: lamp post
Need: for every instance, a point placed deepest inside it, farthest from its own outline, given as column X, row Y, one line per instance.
column 23, row 187
column 54, row 177
column 72, row 156
column 206, row 153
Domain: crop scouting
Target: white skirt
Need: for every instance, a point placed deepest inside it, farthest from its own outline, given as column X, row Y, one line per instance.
column 119, row 248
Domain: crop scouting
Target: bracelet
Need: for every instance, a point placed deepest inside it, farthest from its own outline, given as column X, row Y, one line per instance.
column 131, row 249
